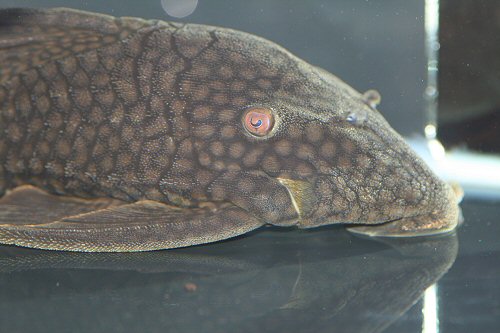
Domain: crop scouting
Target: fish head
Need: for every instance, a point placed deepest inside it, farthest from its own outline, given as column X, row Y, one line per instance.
column 325, row 142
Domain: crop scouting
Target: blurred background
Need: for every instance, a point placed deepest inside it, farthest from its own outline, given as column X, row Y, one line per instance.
column 469, row 75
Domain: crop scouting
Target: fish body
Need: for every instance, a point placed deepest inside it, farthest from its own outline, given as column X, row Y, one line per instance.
column 121, row 134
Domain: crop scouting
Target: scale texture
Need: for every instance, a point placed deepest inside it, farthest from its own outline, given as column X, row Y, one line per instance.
column 131, row 132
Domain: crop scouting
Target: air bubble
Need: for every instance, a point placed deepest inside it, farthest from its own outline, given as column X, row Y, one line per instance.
column 179, row 8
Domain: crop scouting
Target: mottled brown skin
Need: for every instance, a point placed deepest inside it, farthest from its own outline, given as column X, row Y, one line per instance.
column 138, row 125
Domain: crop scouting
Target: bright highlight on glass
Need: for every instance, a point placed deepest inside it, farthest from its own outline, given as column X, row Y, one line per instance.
column 432, row 48
column 430, row 311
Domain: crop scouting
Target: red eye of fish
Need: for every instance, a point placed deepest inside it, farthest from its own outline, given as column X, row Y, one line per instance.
column 258, row 121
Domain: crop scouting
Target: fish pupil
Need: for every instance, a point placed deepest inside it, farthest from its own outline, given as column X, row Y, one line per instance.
column 257, row 124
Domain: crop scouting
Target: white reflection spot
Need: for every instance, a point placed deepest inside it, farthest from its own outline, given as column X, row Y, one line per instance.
column 430, row 311
column 179, row 8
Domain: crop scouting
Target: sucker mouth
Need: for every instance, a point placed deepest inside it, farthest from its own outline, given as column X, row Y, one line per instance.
column 301, row 194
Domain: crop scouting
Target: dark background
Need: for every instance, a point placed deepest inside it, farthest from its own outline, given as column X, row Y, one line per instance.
column 469, row 75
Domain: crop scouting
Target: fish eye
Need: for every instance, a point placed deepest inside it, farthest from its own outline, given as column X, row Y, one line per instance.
column 258, row 121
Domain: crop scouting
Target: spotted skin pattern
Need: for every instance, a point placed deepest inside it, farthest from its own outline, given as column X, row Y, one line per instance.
column 148, row 116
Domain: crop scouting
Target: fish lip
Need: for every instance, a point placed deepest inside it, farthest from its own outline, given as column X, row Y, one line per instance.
column 359, row 224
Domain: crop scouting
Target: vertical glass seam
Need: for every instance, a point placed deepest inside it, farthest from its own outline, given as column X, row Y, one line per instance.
column 432, row 54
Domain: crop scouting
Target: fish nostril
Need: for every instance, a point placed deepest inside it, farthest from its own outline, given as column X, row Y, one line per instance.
column 357, row 117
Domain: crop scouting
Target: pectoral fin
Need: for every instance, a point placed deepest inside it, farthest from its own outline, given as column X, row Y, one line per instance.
column 26, row 205
column 72, row 224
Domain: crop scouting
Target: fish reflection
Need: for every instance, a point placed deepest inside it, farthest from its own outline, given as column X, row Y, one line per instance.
column 308, row 281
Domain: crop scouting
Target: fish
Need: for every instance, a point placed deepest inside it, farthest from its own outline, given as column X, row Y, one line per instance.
column 125, row 134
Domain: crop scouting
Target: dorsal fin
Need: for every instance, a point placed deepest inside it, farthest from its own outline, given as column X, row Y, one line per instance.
column 31, row 37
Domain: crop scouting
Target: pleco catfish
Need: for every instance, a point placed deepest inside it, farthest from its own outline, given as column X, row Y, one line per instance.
column 120, row 134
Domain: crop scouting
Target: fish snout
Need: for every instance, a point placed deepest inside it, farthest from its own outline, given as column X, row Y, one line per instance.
column 404, row 206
